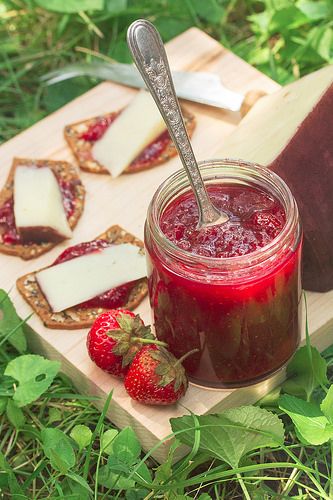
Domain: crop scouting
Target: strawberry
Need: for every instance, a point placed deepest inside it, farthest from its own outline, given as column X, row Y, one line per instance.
column 114, row 339
column 156, row 377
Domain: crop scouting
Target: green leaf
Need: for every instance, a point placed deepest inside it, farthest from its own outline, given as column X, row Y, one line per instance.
column 164, row 471
column 209, row 10
column 72, row 489
column 114, row 480
column 9, row 321
column 14, row 414
column 136, row 494
column 57, row 447
column 304, row 375
column 82, row 436
column 80, row 480
column 126, row 447
column 55, row 415
column 3, row 405
column 327, row 405
column 288, row 18
column 70, row 6
column 107, row 439
column 315, row 10
column 115, row 6
column 320, row 40
column 34, row 374
column 230, row 435
column 311, row 424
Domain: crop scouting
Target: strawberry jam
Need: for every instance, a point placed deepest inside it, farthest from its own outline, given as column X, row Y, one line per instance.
column 111, row 299
column 232, row 291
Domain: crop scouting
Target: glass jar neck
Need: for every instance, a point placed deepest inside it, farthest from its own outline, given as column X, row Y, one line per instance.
column 234, row 172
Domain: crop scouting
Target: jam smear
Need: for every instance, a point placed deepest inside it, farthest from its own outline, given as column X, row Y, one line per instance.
column 68, row 193
column 8, row 232
column 98, row 128
column 255, row 219
column 151, row 152
column 111, row 299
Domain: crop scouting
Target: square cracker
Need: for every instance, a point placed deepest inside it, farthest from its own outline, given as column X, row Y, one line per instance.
column 65, row 171
column 76, row 317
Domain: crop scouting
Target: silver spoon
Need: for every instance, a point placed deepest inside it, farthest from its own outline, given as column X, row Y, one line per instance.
column 151, row 60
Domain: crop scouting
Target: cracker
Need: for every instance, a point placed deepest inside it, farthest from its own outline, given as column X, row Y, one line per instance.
column 82, row 148
column 65, row 171
column 75, row 317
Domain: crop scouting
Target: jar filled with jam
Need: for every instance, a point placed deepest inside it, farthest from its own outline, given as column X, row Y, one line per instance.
column 231, row 291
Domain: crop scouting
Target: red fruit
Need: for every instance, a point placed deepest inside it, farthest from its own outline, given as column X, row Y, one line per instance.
column 114, row 339
column 156, row 377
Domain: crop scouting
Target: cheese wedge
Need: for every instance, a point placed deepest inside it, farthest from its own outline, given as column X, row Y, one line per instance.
column 291, row 132
column 74, row 281
column 38, row 207
column 136, row 127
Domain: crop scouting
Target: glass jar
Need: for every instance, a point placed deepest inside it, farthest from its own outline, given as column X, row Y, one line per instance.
column 242, row 313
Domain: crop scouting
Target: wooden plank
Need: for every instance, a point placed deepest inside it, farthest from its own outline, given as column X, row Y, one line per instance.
column 124, row 201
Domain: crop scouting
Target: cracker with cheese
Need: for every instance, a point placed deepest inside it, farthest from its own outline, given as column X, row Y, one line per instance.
column 88, row 279
column 40, row 204
column 129, row 140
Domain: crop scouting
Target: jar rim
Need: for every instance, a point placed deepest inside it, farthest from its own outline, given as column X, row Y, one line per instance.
column 228, row 166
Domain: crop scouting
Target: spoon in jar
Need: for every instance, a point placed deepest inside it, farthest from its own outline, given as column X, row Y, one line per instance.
column 151, row 60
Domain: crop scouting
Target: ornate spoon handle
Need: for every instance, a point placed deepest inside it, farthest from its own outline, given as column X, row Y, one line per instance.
column 151, row 60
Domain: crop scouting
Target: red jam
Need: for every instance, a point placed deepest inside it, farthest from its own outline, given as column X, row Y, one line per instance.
column 247, row 229
column 8, row 231
column 244, row 329
column 111, row 299
column 144, row 159
column 98, row 128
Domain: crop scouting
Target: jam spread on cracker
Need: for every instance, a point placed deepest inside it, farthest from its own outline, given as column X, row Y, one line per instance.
column 150, row 153
column 8, row 231
column 111, row 299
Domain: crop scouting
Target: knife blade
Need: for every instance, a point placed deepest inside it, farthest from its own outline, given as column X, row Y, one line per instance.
column 201, row 87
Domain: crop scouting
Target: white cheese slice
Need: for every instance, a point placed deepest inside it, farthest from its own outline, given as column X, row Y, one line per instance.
column 291, row 132
column 136, row 127
column 74, row 281
column 38, row 201
column 275, row 119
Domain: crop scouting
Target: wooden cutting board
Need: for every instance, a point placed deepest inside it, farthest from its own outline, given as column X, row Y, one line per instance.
column 124, row 201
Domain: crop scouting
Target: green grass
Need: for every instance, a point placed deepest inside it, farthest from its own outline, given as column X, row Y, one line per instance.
column 283, row 38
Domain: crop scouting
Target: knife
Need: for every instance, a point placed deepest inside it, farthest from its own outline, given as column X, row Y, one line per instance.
column 202, row 87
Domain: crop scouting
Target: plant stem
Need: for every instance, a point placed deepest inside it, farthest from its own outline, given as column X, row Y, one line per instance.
column 149, row 341
column 330, row 493
column 180, row 360
column 244, row 488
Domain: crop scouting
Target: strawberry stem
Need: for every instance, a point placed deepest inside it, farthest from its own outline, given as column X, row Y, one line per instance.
column 186, row 355
column 149, row 341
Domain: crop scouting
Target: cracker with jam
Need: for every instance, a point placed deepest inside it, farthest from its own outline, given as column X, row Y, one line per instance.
column 138, row 122
column 40, row 204
column 88, row 279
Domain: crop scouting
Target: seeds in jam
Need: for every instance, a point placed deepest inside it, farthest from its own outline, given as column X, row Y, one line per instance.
column 255, row 219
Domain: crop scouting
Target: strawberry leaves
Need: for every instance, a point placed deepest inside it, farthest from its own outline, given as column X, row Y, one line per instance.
column 128, row 338
column 168, row 369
